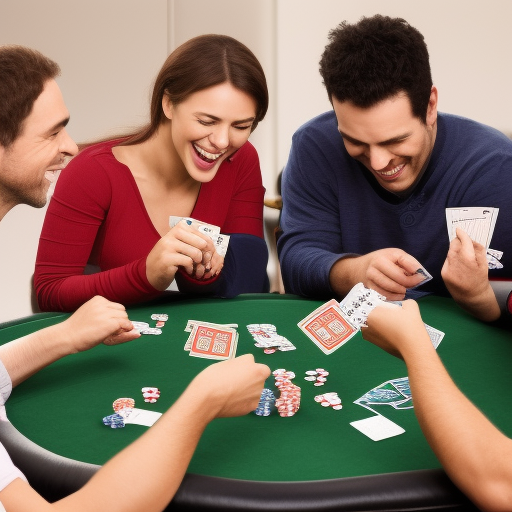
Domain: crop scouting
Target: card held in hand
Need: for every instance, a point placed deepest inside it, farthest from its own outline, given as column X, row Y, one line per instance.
column 328, row 327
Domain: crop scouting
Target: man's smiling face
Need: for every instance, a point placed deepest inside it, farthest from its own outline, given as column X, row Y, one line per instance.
column 387, row 139
column 28, row 164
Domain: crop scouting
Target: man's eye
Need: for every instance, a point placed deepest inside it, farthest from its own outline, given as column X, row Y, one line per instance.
column 205, row 123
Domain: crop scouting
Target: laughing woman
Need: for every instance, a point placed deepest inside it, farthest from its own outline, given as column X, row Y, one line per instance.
column 112, row 203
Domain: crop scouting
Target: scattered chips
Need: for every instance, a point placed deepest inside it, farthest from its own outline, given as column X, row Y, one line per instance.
column 318, row 376
column 329, row 400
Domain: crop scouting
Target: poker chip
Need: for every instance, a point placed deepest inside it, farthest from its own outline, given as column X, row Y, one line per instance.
column 114, row 421
column 330, row 399
column 150, row 395
column 123, row 406
column 318, row 376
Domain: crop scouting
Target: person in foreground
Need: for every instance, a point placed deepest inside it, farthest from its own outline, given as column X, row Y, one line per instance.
column 33, row 145
column 475, row 454
column 367, row 184
column 112, row 204
column 146, row 474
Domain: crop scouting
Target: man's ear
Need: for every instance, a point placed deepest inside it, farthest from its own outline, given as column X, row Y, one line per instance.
column 432, row 107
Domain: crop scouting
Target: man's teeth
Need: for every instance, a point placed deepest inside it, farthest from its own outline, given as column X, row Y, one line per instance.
column 210, row 156
column 393, row 171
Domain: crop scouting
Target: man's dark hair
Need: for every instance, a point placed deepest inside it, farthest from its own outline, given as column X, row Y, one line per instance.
column 23, row 74
column 373, row 60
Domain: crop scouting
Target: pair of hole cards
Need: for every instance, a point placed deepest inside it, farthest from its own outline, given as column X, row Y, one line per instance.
column 219, row 240
column 331, row 325
column 334, row 323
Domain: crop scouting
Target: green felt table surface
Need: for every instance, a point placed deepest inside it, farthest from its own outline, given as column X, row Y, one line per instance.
column 61, row 408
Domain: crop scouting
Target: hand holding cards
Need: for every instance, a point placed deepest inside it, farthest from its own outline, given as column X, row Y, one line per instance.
column 478, row 223
column 219, row 240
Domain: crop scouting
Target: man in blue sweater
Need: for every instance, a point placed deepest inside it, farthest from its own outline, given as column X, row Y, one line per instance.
column 366, row 185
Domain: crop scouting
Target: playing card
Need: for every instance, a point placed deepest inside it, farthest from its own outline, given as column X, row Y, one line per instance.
column 194, row 323
column 436, row 336
column 378, row 428
column 478, row 222
column 213, row 342
column 219, row 240
column 328, row 327
column 142, row 417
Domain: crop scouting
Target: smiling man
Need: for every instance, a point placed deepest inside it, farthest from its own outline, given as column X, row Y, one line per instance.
column 366, row 185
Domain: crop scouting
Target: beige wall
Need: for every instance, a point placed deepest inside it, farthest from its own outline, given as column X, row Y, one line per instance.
column 110, row 51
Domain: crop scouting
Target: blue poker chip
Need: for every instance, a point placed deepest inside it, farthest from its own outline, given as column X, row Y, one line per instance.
column 114, row 421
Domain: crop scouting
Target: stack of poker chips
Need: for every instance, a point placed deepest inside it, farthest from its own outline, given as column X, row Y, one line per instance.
column 122, row 409
column 329, row 400
column 151, row 395
column 288, row 402
column 266, row 404
column 318, row 376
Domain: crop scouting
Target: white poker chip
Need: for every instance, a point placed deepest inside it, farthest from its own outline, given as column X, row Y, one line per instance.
column 337, row 407
column 310, row 378
column 311, row 372
column 317, row 384
column 325, row 404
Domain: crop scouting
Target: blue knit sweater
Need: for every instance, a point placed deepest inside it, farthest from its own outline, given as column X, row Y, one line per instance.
column 333, row 206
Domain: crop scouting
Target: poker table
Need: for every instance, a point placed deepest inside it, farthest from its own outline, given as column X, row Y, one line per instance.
column 314, row 460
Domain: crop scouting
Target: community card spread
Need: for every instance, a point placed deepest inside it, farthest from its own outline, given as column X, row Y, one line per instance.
column 395, row 393
column 213, row 342
column 328, row 327
column 378, row 428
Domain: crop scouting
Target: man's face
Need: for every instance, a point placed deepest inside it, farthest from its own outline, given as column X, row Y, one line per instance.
column 387, row 139
column 29, row 164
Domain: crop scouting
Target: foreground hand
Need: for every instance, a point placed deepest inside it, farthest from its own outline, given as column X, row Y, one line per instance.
column 465, row 274
column 387, row 271
column 98, row 321
column 183, row 246
column 396, row 328
column 233, row 387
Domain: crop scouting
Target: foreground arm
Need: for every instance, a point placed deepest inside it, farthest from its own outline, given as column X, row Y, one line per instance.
column 475, row 454
column 465, row 273
column 146, row 475
column 97, row 321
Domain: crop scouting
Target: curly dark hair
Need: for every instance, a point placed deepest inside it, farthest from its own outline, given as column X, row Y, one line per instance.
column 23, row 74
column 375, row 59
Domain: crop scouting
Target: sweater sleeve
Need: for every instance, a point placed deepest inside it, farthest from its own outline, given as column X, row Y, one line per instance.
column 308, row 189
column 245, row 212
column 77, row 209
